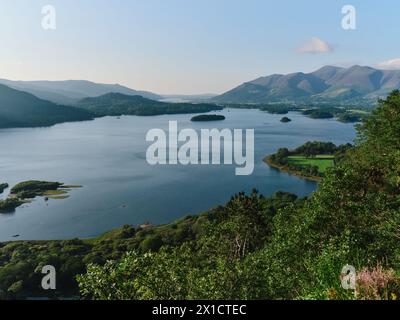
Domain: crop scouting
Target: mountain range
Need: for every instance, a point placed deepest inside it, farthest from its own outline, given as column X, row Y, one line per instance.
column 69, row 92
column 357, row 83
column 44, row 103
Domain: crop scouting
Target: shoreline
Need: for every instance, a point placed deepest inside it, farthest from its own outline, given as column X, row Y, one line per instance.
column 284, row 169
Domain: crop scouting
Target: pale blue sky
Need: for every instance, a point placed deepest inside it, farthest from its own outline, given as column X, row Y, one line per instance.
column 189, row 46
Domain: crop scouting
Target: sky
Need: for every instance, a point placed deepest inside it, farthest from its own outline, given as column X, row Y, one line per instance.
column 191, row 46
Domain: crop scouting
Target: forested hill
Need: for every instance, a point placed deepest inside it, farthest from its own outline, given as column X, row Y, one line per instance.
column 116, row 104
column 21, row 109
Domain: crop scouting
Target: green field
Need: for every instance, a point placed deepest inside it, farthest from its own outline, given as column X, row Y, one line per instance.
column 323, row 162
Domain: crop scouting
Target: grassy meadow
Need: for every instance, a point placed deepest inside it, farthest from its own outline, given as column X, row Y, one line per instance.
column 323, row 162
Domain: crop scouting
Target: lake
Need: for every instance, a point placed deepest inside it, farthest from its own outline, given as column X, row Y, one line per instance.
column 107, row 157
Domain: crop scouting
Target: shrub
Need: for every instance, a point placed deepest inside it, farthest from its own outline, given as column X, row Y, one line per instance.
column 377, row 284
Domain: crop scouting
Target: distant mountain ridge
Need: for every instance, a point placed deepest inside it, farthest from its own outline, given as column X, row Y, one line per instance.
column 22, row 109
column 70, row 91
column 326, row 84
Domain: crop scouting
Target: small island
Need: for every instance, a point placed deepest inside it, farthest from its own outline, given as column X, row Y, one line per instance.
column 25, row 191
column 286, row 120
column 309, row 161
column 208, row 117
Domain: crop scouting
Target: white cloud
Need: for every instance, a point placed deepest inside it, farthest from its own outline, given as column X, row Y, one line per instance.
column 314, row 46
column 393, row 64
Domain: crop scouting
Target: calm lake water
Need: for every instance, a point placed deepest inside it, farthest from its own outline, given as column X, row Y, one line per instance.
column 107, row 157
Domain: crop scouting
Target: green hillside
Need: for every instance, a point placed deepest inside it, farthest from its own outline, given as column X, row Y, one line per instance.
column 21, row 109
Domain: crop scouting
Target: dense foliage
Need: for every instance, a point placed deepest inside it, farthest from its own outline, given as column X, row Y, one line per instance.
column 21, row 261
